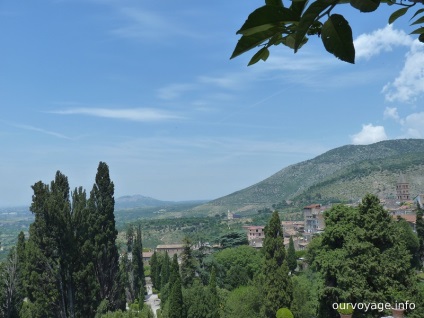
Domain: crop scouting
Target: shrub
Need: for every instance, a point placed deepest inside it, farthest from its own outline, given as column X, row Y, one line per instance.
column 345, row 309
column 284, row 313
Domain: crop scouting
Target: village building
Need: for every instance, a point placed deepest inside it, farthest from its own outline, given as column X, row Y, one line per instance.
column 402, row 189
column 171, row 249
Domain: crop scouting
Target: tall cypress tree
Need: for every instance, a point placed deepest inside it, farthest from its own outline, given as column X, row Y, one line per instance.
column 291, row 256
column 176, row 304
column 138, row 266
column 165, row 271
column 277, row 287
column 102, row 230
column 188, row 264
column 155, row 270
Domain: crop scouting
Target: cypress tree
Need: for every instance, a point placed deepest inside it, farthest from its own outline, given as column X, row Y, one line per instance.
column 138, row 266
column 165, row 270
column 277, row 284
column 155, row 270
column 291, row 256
column 213, row 299
column 176, row 303
column 188, row 264
column 102, row 230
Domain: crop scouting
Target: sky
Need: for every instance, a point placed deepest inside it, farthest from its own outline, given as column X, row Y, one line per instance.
column 148, row 88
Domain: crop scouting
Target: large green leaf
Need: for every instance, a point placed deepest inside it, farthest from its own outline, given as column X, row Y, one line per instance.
column 417, row 13
column 418, row 21
column 248, row 42
column 262, row 54
column 297, row 6
column 397, row 14
column 308, row 18
column 337, row 38
column 265, row 18
column 365, row 5
column 420, row 30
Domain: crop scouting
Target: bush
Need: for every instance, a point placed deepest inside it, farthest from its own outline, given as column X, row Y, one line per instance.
column 284, row 313
column 345, row 309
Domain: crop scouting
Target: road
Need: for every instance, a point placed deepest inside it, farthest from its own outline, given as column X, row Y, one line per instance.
column 152, row 299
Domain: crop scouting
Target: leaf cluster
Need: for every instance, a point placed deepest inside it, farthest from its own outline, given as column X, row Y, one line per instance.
column 275, row 24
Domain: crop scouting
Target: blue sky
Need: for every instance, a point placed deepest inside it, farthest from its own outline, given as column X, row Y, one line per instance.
column 148, row 87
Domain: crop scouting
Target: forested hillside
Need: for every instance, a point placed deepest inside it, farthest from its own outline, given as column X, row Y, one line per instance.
column 341, row 174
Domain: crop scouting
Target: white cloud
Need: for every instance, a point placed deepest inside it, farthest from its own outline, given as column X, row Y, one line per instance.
column 41, row 130
column 381, row 40
column 368, row 135
column 410, row 82
column 133, row 114
column 391, row 112
column 414, row 125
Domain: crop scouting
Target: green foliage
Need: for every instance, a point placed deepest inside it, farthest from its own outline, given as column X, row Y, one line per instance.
column 360, row 256
column 291, row 256
column 188, row 264
column 305, row 302
column 284, row 313
column 345, row 309
column 419, row 226
column 244, row 301
column 233, row 239
column 275, row 24
column 237, row 266
column 411, row 241
column 276, row 285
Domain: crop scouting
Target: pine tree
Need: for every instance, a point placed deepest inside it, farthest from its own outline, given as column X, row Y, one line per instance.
column 104, row 252
column 277, row 288
column 291, row 256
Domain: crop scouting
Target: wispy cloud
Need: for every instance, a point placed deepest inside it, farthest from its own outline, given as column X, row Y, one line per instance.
column 380, row 40
column 409, row 84
column 132, row 114
column 173, row 91
column 369, row 134
column 145, row 24
column 41, row 130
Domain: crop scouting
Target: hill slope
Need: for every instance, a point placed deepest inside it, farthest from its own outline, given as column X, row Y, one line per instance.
column 344, row 173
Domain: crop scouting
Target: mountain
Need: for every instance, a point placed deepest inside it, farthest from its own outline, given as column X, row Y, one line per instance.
column 346, row 173
column 137, row 201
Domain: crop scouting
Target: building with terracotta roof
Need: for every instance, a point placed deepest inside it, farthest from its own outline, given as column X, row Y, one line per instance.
column 171, row 249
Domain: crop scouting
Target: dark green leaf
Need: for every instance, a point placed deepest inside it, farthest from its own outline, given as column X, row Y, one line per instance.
column 277, row 3
column 419, row 21
column 421, row 38
column 298, row 6
column 249, row 42
column 365, row 5
column 265, row 18
column 397, row 14
column 418, row 31
column 262, row 54
column 289, row 41
column 417, row 13
column 337, row 38
column 308, row 18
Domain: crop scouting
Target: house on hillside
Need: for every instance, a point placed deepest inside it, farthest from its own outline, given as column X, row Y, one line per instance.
column 410, row 218
column 255, row 235
column 314, row 219
column 146, row 257
column 171, row 249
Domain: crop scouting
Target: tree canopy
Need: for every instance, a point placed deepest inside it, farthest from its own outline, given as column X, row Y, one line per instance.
column 275, row 24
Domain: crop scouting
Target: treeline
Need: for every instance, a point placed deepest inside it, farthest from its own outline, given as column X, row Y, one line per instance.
column 69, row 266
